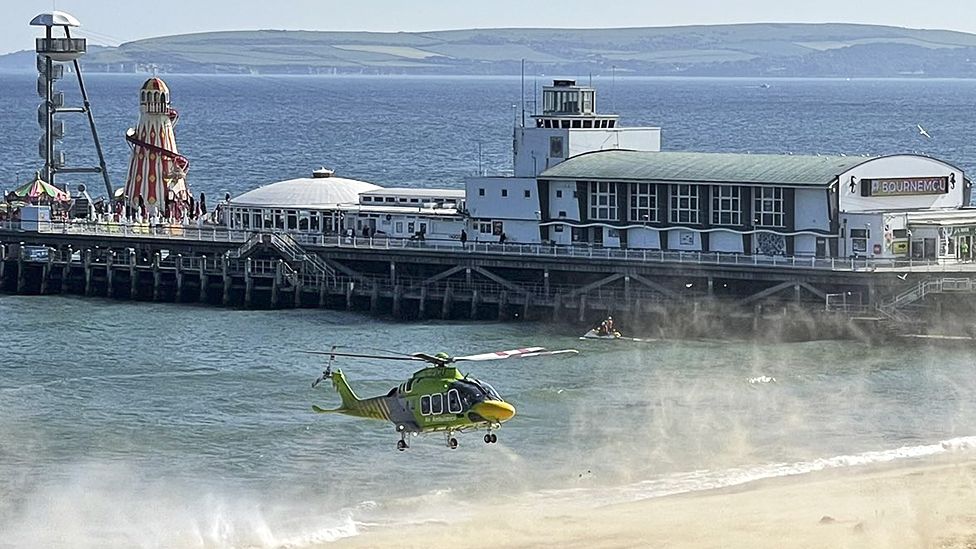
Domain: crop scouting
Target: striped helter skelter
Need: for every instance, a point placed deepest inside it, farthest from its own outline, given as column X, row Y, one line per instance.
column 156, row 167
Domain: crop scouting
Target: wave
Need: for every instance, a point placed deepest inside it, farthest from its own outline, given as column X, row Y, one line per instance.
column 705, row 479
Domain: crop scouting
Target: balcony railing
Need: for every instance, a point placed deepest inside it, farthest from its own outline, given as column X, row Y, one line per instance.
column 210, row 233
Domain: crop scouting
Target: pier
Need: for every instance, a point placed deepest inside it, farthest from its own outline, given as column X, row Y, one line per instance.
column 409, row 279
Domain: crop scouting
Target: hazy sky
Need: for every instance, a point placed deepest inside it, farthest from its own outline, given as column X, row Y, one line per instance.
column 114, row 21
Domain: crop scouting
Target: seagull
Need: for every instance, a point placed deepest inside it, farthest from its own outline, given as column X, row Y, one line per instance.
column 922, row 132
column 903, row 276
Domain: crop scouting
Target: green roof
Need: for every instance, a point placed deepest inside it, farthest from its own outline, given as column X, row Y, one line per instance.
column 619, row 165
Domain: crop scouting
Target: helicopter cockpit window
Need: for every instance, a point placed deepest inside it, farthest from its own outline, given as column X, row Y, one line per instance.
column 409, row 385
column 453, row 402
column 436, row 404
column 425, row 405
column 492, row 393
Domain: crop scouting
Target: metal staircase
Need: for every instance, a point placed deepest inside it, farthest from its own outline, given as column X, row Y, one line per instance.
column 300, row 262
column 892, row 308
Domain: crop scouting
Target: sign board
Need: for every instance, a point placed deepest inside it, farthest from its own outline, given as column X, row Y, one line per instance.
column 36, row 253
column 904, row 186
column 899, row 247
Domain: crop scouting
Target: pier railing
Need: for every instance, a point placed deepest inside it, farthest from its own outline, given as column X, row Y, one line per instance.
column 576, row 251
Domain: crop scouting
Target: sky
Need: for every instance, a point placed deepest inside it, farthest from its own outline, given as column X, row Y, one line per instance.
column 112, row 22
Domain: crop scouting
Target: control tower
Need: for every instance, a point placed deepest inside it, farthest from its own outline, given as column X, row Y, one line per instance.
column 570, row 125
column 52, row 54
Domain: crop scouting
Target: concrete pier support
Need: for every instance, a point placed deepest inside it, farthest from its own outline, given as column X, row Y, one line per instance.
column 557, row 307
column 179, row 279
column 711, row 286
column 228, row 281
column 525, row 307
column 276, row 285
column 66, row 272
column 133, row 277
column 323, row 293
column 423, row 302
column 204, row 280
column 88, row 273
column 397, row 300
column 627, row 291
column 581, row 316
column 21, row 274
column 545, row 282
column 109, row 275
column 475, row 298
column 502, row 305
column 374, row 300
column 248, row 283
column 447, row 303
column 157, row 277
column 350, row 286
column 45, row 274
column 299, row 288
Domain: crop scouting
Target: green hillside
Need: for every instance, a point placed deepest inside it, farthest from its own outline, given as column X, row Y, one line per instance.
column 714, row 50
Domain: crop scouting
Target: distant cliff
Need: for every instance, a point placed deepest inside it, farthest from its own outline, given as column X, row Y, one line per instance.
column 760, row 50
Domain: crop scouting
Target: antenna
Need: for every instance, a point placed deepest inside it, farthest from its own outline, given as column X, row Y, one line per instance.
column 523, row 92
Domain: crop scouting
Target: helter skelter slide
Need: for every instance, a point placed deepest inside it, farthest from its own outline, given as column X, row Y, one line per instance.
column 157, row 171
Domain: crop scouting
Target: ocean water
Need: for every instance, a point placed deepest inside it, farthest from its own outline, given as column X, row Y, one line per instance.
column 156, row 425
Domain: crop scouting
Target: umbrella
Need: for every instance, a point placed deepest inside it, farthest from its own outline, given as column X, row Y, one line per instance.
column 40, row 189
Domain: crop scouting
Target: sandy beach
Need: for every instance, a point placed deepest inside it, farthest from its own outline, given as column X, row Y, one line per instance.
column 925, row 503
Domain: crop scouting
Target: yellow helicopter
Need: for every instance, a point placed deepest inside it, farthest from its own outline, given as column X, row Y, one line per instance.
column 437, row 398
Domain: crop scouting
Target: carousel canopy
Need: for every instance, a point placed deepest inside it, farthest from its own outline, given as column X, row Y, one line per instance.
column 39, row 189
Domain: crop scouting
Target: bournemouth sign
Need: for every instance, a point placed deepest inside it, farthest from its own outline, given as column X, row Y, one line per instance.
column 905, row 186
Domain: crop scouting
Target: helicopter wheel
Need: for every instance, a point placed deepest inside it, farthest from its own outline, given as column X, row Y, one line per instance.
column 488, row 438
column 494, row 438
column 401, row 445
column 452, row 443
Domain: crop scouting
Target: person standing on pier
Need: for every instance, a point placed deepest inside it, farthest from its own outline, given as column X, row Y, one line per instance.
column 464, row 238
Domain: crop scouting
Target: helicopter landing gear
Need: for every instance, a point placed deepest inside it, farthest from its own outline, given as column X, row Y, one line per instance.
column 452, row 442
column 491, row 438
column 402, row 443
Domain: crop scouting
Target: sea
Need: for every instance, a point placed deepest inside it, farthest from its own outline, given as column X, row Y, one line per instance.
column 157, row 425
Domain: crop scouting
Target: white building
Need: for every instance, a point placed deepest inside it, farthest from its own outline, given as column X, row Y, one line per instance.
column 306, row 204
column 824, row 206
column 569, row 125
column 430, row 214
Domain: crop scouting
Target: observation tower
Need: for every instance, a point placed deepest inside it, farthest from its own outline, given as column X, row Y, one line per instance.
column 157, row 171
column 52, row 54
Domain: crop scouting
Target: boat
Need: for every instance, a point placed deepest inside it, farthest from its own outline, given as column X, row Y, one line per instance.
column 594, row 334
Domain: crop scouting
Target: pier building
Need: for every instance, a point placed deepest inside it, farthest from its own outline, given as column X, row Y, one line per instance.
column 309, row 205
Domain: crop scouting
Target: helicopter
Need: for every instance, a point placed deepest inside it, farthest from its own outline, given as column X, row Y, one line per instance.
column 437, row 398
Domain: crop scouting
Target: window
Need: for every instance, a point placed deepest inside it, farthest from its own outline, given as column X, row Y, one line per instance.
column 398, row 227
column 481, row 192
column 768, row 210
column 436, row 404
column 726, row 205
column 558, row 228
column 504, row 192
column 643, row 202
column 390, row 199
column 555, row 147
column 411, row 227
column 684, row 204
column 453, row 401
column 425, row 405
column 367, row 199
column 562, row 213
column 603, row 201
column 528, row 193
column 559, row 193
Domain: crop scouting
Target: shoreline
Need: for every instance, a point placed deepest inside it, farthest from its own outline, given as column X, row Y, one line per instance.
column 926, row 502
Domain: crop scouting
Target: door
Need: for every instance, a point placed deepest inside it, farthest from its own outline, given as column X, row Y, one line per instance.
column 821, row 250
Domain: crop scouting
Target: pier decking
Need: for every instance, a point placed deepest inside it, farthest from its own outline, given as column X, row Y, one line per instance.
column 433, row 279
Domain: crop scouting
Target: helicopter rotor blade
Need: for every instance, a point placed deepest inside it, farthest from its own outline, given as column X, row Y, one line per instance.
column 499, row 355
column 360, row 355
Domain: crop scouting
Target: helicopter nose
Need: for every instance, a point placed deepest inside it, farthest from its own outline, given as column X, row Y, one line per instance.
column 494, row 410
